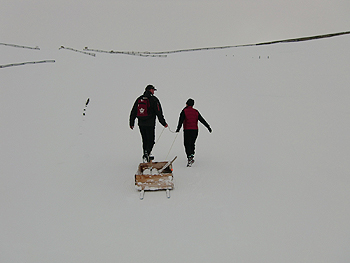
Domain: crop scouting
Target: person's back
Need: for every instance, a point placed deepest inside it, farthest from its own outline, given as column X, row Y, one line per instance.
column 154, row 110
column 189, row 118
column 147, row 122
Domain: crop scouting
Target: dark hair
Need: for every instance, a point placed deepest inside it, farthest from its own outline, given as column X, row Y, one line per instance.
column 190, row 102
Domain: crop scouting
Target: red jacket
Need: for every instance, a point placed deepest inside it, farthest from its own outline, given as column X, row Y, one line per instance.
column 189, row 117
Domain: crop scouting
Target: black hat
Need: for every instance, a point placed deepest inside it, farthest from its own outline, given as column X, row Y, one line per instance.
column 149, row 87
column 190, row 102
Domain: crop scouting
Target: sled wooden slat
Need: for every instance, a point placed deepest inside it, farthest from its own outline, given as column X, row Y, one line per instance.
column 148, row 178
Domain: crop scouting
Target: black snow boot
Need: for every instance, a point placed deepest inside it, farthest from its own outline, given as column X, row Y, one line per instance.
column 145, row 157
column 190, row 160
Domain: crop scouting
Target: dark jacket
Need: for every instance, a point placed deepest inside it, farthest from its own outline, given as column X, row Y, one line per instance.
column 189, row 117
column 155, row 109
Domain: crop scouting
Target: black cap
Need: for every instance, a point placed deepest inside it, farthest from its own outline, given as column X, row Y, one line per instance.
column 149, row 87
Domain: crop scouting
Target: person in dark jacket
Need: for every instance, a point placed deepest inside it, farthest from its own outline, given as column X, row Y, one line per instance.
column 146, row 108
column 189, row 118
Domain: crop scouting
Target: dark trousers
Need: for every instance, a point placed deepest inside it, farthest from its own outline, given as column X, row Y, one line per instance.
column 148, row 136
column 190, row 137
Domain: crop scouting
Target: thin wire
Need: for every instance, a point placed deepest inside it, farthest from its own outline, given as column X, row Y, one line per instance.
column 24, row 63
column 164, row 53
column 159, row 136
column 75, row 50
column 171, row 130
column 172, row 146
column 133, row 53
column 13, row 45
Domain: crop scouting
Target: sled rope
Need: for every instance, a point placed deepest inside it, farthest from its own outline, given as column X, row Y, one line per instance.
column 171, row 146
column 171, row 130
column 159, row 136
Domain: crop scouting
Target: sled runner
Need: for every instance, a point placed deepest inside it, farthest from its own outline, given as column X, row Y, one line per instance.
column 153, row 176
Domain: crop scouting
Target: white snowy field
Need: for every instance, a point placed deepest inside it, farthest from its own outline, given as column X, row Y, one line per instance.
column 270, row 183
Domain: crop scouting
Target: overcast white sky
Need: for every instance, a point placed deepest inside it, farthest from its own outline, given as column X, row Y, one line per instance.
column 159, row 25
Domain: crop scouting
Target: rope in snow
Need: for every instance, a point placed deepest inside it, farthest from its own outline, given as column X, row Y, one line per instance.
column 24, row 63
column 75, row 50
column 19, row 46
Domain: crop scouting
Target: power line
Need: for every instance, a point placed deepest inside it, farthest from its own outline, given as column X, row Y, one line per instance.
column 164, row 53
column 299, row 39
column 75, row 50
column 24, row 63
column 132, row 53
column 19, row 46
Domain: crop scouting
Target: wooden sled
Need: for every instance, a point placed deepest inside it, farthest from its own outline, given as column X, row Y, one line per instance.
column 154, row 176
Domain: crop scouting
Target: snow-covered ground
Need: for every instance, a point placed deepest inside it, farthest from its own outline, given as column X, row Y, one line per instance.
column 270, row 183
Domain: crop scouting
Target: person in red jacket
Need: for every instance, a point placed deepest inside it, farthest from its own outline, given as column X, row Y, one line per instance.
column 189, row 118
